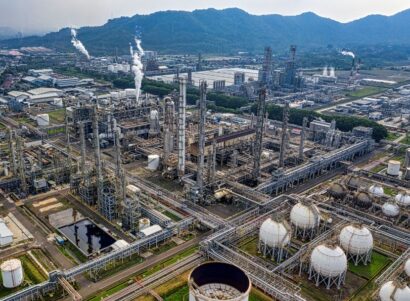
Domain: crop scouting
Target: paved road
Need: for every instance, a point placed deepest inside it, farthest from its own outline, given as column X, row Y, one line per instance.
column 91, row 289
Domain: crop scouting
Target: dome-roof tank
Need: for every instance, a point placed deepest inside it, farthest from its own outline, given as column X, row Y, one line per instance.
column 274, row 234
column 305, row 216
column 356, row 239
column 329, row 261
column 363, row 199
column 403, row 199
column 337, row 190
column 393, row 291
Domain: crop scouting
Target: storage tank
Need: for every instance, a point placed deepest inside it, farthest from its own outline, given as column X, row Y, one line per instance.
column 153, row 162
column 393, row 168
column 213, row 281
column 376, row 190
column 274, row 237
column 143, row 223
column 357, row 241
column 328, row 265
column 12, row 273
column 403, row 199
column 390, row 209
column 43, row 120
column 394, row 291
column 337, row 191
column 407, row 267
column 363, row 200
column 306, row 219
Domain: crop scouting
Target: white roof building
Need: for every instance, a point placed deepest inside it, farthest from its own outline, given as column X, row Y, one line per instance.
column 6, row 236
column 151, row 230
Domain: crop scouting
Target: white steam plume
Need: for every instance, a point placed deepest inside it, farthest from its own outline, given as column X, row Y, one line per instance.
column 137, row 67
column 77, row 43
column 347, row 53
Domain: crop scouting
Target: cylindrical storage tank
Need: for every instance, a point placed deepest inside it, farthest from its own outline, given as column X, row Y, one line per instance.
column 274, row 234
column 357, row 241
column 214, row 281
column 403, row 199
column 363, row 200
column 43, row 120
column 393, row 168
column 390, row 209
column 143, row 223
column 153, row 162
column 393, row 291
column 376, row 190
column 12, row 273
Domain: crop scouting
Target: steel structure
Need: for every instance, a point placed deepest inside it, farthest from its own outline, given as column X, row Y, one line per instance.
column 259, row 134
column 181, row 127
column 201, row 138
column 284, row 138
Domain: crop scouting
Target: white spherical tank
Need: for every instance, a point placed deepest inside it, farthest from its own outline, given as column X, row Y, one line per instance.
column 43, row 120
column 274, row 234
column 153, row 162
column 215, row 281
column 390, row 209
column 392, row 291
column 393, row 168
column 356, row 239
column 407, row 267
column 12, row 273
column 329, row 261
column 376, row 190
column 304, row 216
column 403, row 199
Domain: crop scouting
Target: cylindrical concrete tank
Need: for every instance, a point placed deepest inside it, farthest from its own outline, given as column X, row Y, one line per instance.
column 403, row 199
column 390, row 209
column 143, row 223
column 153, row 162
column 43, row 119
column 214, row 281
column 12, row 273
column 393, row 291
column 356, row 239
column 393, row 168
column 305, row 216
column 274, row 234
column 329, row 261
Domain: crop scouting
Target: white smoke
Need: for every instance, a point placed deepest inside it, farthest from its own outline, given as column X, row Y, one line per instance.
column 347, row 53
column 77, row 43
column 137, row 67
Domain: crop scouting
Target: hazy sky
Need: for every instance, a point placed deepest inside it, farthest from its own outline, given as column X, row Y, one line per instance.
column 44, row 15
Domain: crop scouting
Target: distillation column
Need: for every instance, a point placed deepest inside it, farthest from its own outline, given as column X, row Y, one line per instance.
column 302, row 139
column 12, row 152
column 260, row 116
column 201, row 136
column 98, row 167
column 284, row 139
column 181, row 127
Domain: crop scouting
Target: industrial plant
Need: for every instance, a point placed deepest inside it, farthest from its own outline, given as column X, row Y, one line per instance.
column 136, row 176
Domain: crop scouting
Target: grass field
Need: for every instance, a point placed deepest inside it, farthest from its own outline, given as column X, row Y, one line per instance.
column 390, row 191
column 364, row 92
column 57, row 116
column 405, row 140
column 392, row 136
column 378, row 263
column 171, row 216
column 378, row 168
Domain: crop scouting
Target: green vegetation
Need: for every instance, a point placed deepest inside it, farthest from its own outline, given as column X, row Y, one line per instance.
column 72, row 252
column 392, row 136
column 109, row 292
column 116, row 267
column 365, row 92
column 390, row 191
column 378, row 168
column 405, row 140
column 57, row 116
column 172, row 216
column 378, row 263
column 343, row 123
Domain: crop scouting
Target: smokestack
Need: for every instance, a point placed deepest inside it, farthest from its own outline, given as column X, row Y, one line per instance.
column 97, row 154
column 181, row 127
column 201, row 136
column 259, row 133
column 284, row 135
column 302, row 140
